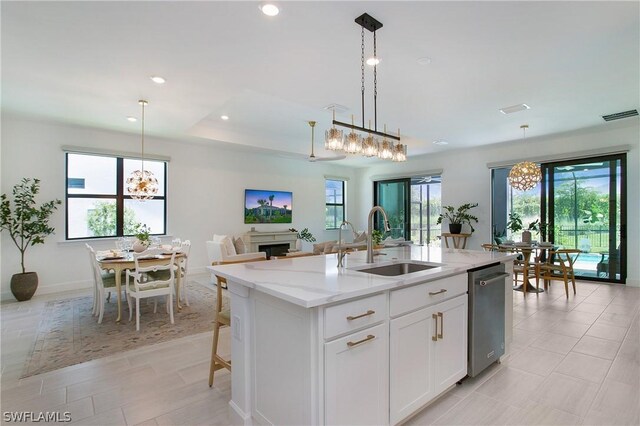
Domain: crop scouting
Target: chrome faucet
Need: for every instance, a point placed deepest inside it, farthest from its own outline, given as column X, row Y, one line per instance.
column 387, row 228
column 340, row 253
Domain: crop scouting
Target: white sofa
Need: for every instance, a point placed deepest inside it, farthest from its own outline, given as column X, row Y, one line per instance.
column 221, row 250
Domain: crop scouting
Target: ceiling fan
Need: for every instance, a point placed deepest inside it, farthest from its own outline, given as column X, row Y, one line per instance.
column 312, row 157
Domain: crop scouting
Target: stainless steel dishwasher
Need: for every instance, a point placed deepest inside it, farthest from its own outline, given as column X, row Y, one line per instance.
column 486, row 317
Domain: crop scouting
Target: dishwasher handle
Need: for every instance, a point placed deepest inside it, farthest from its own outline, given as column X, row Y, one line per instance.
column 492, row 278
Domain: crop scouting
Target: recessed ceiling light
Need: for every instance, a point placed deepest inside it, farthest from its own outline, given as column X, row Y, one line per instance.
column 132, row 119
column 157, row 79
column 224, row 117
column 440, row 142
column 424, row 61
column 373, row 61
column 514, row 108
column 269, row 9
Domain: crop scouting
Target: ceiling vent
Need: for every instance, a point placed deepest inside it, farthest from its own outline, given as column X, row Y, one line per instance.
column 621, row 115
column 514, row 108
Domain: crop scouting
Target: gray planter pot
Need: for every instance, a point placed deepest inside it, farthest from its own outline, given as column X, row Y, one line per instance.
column 23, row 286
column 526, row 237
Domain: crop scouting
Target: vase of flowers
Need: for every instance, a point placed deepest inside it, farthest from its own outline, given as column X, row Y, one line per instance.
column 143, row 238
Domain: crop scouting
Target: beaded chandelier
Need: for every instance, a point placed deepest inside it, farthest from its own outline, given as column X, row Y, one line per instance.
column 142, row 185
column 524, row 175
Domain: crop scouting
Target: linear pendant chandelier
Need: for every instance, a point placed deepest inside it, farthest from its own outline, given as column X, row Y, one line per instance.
column 355, row 144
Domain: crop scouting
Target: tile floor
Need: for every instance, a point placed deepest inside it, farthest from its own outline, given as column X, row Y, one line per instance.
column 574, row 361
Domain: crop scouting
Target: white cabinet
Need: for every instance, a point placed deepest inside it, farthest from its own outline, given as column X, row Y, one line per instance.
column 428, row 354
column 357, row 378
column 450, row 350
column 411, row 359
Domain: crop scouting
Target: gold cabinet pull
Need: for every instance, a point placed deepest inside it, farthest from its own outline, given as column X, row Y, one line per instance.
column 359, row 342
column 366, row 314
column 435, row 330
column 441, row 334
column 442, row 290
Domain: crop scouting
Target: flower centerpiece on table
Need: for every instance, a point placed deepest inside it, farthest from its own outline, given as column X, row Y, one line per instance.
column 143, row 238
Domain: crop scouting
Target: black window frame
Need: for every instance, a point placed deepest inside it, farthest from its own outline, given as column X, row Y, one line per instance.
column 119, row 197
column 343, row 204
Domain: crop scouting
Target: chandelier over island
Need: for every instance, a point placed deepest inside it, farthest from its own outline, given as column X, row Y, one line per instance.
column 368, row 146
column 142, row 185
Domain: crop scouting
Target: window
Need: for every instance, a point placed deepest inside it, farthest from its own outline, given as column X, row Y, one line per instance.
column 96, row 203
column 334, row 200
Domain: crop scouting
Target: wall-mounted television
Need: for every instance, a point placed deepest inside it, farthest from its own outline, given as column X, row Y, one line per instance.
column 262, row 206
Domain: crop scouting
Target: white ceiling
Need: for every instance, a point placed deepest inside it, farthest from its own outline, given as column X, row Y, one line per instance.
column 88, row 63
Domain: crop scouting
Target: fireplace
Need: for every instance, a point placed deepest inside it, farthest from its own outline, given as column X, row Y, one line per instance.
column 260, row 241
column 274, row 249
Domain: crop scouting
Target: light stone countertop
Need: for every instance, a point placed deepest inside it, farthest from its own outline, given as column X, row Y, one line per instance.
column 315, row 280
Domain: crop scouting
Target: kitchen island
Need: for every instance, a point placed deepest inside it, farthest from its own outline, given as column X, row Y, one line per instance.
column 315, row 344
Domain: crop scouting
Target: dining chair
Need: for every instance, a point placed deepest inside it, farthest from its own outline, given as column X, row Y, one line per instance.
column 490, row 247
column 559, row 267
column 104, row 284
column 185, row 248
column 92, row 261
column 139, row 288
column 525, row 265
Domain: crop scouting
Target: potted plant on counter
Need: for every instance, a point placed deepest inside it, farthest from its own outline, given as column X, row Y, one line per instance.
column 27, row 225
column 458, row 217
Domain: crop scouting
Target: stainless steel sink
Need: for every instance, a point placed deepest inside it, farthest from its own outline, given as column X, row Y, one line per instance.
column 399, row 268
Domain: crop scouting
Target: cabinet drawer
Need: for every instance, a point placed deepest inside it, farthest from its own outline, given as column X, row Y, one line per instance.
column 418, row 296
column 354, row 315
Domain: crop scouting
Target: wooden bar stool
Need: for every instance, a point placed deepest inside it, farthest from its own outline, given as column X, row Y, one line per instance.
column 223, row 318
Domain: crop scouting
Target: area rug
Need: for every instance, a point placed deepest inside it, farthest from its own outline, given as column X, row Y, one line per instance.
column 68, row 334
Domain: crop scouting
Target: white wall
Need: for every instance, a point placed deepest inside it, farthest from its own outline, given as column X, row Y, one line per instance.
column 205, row 193
column 466, row 178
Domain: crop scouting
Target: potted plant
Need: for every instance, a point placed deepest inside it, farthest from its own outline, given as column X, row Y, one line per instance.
column 303, row 235
column 499, row 236
column 143, row 238
column 376, row 238
column 27, row 225
column 515, row 223
column 532, row 227
column 458, row 217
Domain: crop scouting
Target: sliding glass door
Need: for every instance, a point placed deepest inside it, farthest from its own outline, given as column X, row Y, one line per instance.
column 586, row 209
column 581, row 204
column 412, row 205
column 393, row 197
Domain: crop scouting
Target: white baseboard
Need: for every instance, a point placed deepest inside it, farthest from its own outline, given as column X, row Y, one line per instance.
column 79, row 285
column 633, row 283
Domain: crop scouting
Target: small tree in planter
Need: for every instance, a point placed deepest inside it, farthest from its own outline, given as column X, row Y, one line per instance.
column 27, row 225
column 458, row 217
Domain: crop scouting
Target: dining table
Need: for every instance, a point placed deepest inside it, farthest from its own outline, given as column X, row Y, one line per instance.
column 124, row 261
column 527, row 250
